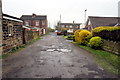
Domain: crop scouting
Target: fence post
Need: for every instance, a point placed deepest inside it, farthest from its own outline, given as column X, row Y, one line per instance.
column 0, row 38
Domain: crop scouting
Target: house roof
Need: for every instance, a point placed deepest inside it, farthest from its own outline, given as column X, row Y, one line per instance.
column 70, row 23
column 9, row 17
column 30, row 17
column 103, row 21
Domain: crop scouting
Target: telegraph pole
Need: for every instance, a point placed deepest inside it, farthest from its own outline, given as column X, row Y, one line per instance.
column 60, row 18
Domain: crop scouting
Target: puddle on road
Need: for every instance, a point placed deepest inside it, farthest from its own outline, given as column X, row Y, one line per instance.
column 64, row 50
column 50, row 50
column 58, row 50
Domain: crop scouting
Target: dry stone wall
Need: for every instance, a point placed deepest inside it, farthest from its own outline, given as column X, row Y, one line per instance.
column 112, row 46
column 12, row 34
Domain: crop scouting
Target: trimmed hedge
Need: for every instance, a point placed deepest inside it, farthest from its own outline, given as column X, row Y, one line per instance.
column 80, row 36
column 108, row 33
column 71, row 37
column 96, row 43
column 77, row 35
column 83, row 34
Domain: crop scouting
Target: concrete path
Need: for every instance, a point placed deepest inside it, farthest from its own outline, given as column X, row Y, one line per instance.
column 53, row 57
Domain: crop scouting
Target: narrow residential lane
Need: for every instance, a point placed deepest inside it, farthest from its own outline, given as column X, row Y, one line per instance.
column 53, row 57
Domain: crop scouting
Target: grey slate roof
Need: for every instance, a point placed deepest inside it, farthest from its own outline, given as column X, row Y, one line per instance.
column 103, row 21
column 70, row 23
column 30, row 17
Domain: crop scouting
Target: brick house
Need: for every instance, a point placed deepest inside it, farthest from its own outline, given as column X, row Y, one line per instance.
column 95, row 21
column 35, row 22
column 70, row 26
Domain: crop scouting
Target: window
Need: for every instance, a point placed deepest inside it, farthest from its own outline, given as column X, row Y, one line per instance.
column 43, row 22
column 26, row 23
column 37, row 23
column 89, row 23
column 62, row 26
column 70, row 26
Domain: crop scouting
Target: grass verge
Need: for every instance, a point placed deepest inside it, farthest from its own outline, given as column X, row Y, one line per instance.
column 18, row 48
column 105, row 59
column 65, row 37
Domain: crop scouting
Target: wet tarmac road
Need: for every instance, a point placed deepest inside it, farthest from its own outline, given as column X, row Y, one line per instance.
column 53, row 57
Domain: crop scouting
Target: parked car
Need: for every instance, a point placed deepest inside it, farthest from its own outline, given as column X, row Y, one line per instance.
column 70, row 32
column 59, row 32
column 56, row 31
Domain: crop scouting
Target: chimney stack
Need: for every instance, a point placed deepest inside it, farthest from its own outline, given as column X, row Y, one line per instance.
column 33, row 15
column 73, row 22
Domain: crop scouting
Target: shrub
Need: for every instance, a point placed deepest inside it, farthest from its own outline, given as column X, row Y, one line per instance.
column 107, row 32
column 96, row 42
column 77, row 35
column 83, row 36
column 106, row 28
column 71, row 37
column 87, row 39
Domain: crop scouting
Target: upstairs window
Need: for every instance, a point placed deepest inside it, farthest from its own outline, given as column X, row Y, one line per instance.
column 43, row 22
column 37, row 23
column 27, row 23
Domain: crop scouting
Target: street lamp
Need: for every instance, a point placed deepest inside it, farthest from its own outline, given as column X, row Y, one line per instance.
column 60, row 23
column 85, row 15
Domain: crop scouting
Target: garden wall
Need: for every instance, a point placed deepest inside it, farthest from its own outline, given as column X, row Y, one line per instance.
column 35, row 34
column 112, row 46
column 28, row 36
column 0, row 27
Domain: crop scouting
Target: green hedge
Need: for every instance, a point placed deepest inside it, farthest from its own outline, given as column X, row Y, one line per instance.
column 106, row 32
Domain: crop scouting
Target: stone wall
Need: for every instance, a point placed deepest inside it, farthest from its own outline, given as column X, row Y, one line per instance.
column 28, row 35
column 0, row 26
column 35, row 34
column 12, row 34
column 112, row 46
column 0, row 39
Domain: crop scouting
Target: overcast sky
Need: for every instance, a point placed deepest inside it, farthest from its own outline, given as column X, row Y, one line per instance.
column 70, row 10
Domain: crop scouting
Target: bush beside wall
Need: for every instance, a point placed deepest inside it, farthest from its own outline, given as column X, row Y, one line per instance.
column 108, row 33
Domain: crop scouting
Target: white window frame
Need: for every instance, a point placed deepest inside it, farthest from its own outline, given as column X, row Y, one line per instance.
column 43, row 22
column 37, row 23
column 26, row 23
